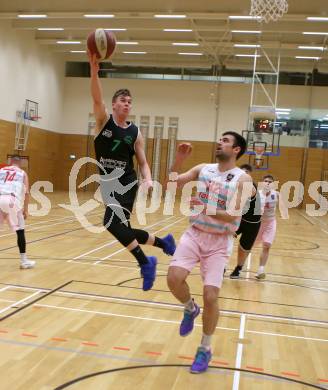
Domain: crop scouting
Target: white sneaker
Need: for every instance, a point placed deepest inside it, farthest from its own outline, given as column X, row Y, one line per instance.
column 260, row 276
column 26, row 264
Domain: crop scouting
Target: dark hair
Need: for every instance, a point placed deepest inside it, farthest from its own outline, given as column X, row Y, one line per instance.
column 120, row 92
column 268, row 177
column 239, row 141
column 247, row 167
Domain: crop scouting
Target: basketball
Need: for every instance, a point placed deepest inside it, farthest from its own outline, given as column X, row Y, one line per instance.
column 102, row 43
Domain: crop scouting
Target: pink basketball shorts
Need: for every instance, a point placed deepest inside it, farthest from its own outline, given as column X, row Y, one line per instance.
column 210, row 250
column 267, row 231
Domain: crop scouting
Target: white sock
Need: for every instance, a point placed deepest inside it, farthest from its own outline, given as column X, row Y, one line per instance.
column 23, row 257
column 189, row 305
column 206, row 341
column 261, row 270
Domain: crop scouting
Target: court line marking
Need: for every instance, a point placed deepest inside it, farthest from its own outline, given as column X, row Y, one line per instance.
column 250, row 280
column 109, row 314
column 20, row 301
column 123, row 249
column 217, row 371
column 98, row 296
column 227, row 312
column 63, row 220
column 115, row 241
column 248, row 266
column 114, row 266
column 170, row 305
column 302, row 215
column 323, row 289
column 239, row 353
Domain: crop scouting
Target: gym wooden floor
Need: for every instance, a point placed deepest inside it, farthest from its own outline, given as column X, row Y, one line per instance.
column 94, row 326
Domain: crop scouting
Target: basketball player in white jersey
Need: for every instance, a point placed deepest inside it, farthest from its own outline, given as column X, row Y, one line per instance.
column 268, row 226
column 209, row 239
column 14, row 198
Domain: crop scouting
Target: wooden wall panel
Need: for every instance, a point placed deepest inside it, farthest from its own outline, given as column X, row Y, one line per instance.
column 7, row 139
column 313, row 172
column 78, row 145
column 42, row 150
column 49, row 158
column 286, row 167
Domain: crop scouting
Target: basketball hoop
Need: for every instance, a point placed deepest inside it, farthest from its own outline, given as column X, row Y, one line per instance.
column 259, row 150
column 268, row 10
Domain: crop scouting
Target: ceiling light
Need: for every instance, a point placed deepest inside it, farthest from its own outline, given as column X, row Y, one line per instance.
column 50, row 29
column 317, row 19
column 115, row 29
column 99, row 16
column 314, row 33
column 245, row 45
column 78, row 51
column 247, row 55
column 135, row 52
column 177, row 29
column 307, row 58
column 185, row 44
column 127, row 43
column 283, row 109
column 245, row 17
column 190, row 54
column 40, row 16
column 246, row 31
column 312, row 47
column 69, row 42
column 170, row 16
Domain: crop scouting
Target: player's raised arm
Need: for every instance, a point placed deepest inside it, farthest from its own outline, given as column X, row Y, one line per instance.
column 99, row 107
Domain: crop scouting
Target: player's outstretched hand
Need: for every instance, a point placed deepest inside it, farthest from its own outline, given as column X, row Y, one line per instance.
column 184, row 150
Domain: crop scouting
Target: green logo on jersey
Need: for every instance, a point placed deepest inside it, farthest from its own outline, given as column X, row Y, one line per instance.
column 128, row 139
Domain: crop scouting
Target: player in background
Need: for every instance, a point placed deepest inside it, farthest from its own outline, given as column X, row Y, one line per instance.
column 14, row 198
column 249, row 226
column 268, row 227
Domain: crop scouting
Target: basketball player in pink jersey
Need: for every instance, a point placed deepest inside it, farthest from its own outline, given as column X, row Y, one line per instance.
column 14, row 198
column 209, row 239
column 268, row 226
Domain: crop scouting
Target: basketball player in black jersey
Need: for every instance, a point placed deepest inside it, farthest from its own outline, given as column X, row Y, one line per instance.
column 249, row 226
column 116, row 142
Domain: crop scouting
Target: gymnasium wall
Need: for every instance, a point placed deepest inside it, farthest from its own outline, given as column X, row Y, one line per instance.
column 191, row 101
column 49, row 158
column 29, row 71
column 42, row 149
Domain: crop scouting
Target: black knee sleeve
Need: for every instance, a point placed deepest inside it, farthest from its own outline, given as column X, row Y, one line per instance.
column 141, row 236
column 121, row 230
column 21, row 242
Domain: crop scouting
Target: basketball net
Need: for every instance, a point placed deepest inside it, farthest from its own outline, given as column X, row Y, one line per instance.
column 268, row 10
column 259, row 150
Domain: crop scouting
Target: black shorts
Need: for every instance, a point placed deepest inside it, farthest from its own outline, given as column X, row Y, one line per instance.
column 248, row 233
